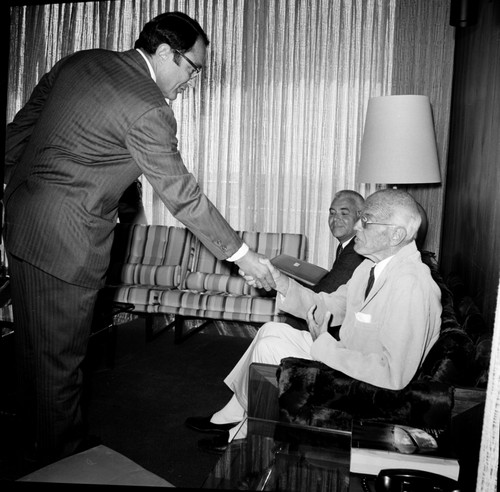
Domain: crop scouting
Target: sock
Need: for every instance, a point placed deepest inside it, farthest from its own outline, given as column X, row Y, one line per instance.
column 232, row 412
column 238, row 431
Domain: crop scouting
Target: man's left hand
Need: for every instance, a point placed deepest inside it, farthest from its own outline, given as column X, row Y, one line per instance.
column 317, row 328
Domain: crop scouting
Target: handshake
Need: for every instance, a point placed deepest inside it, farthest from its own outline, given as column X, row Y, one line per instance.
column 258, row 272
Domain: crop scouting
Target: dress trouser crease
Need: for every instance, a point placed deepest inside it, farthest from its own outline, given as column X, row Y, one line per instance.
column 52, row 331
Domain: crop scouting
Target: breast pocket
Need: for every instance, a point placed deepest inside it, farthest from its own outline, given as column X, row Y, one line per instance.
column 365, row 336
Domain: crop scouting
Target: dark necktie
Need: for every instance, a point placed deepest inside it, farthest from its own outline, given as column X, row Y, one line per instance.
column 371, row 279
column 339, row 250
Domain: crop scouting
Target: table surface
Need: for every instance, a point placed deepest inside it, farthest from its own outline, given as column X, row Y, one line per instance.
column 284, row 457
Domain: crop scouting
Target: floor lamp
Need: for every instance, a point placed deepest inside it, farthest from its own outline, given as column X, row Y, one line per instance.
column 399, row 146
column 399, row 142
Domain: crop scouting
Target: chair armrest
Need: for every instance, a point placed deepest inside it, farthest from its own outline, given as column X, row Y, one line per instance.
column 312, row 393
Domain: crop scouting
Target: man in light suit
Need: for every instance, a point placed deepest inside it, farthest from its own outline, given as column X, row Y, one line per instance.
column 93, row 124
column 389, row 314
column 343, row 214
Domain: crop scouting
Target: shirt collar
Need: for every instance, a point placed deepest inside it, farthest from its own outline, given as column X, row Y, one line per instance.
column 381, row 265
column 151, row 71
column 345, row 243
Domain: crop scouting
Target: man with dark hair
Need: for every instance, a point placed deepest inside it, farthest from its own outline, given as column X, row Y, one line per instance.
column 93, row 124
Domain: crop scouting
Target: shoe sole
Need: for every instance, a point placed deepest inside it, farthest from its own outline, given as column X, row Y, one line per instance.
column 212, row 430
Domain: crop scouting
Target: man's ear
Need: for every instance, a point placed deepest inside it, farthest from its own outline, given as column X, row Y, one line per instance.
column 398, row 235
column 163, row 50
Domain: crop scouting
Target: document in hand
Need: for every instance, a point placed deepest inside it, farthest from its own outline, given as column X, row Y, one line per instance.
column 377, row 446
column 300, row 270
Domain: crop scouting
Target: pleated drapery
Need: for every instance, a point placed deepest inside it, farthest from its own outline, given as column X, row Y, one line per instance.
column 272, row 128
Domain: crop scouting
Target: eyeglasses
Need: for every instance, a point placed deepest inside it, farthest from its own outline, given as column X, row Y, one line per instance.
column 196, row 69
column 364, row 223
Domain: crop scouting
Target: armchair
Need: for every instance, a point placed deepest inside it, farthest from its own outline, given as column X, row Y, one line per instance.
column 451, row 379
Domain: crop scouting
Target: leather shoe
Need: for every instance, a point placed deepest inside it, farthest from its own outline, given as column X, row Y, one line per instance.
column 203, row 424
column 215, row 445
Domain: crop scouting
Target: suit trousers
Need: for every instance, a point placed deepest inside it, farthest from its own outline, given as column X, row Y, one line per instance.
column 52, row 326
column 273, row 342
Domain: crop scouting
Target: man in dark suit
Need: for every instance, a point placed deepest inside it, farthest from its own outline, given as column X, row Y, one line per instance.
column 93, row 124
column 343, row 214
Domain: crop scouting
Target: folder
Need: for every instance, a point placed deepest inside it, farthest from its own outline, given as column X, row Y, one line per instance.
column 304, row 272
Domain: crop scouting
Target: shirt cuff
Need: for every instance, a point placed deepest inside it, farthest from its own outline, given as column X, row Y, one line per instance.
column 240, row 253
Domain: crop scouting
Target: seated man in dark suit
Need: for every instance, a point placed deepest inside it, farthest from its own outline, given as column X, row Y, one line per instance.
column 344, row 212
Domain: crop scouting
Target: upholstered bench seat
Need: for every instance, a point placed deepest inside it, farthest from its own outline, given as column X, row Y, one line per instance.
column 167, row 270
column 220, row 306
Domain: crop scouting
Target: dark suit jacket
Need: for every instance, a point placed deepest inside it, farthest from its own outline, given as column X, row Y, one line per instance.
column 93, row 124
column 342, row 269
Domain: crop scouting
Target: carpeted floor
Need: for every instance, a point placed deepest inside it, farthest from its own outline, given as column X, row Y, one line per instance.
column 138, row 407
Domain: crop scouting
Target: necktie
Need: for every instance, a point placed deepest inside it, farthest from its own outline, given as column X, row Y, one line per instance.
column 339, row 250
column 371, row 279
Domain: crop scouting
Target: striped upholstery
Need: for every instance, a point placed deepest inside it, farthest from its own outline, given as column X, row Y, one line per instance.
column 208, row 274
column 167, row 270
column 150, row 255
column 219, row 306
column 152, row 300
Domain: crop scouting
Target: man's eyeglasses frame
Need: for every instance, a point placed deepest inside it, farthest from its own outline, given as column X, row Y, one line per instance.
column 364, row 222
column 196, row 69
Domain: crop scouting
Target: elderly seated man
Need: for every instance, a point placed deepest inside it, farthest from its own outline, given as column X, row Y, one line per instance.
column 388, row 312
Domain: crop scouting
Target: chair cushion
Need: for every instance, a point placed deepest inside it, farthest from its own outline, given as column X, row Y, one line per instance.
column 161, row 275
column 218, row 306
column 271, row 244
column 311, row 393
column 215, row 282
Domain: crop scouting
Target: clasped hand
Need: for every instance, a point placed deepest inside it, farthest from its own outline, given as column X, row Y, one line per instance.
column 254, row 268
column 278, row 280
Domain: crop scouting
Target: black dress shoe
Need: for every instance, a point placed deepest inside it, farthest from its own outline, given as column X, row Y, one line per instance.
column 215, row 445
column 203, row 424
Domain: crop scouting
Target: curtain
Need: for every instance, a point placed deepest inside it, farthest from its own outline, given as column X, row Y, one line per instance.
column 272, row 128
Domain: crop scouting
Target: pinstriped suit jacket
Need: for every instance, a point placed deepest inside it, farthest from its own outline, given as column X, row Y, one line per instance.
column 93, row 124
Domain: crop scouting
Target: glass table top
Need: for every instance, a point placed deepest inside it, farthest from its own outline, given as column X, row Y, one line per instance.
column 284, row 457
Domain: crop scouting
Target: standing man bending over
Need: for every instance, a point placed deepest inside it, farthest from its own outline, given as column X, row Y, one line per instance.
column 388, row 324
column 93, row 124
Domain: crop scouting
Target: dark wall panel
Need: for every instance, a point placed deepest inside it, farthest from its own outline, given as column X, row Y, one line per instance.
column 471, row 225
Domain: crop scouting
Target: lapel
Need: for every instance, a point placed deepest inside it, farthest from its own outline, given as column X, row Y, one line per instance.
column 401, row 256
column 348, row 249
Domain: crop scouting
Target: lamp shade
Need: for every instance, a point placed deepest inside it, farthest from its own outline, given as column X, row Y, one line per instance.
column 399, row 143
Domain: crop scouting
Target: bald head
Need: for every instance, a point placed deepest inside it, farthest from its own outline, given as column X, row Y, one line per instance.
column 390, row 220
column 396, row 207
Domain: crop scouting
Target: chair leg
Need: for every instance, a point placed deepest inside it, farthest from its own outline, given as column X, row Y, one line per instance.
column 180, row 335
column 111, row 346
column 151, row 334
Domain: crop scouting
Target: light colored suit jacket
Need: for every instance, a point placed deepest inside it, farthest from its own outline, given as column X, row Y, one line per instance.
column 93, row 124
column 383, row 339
